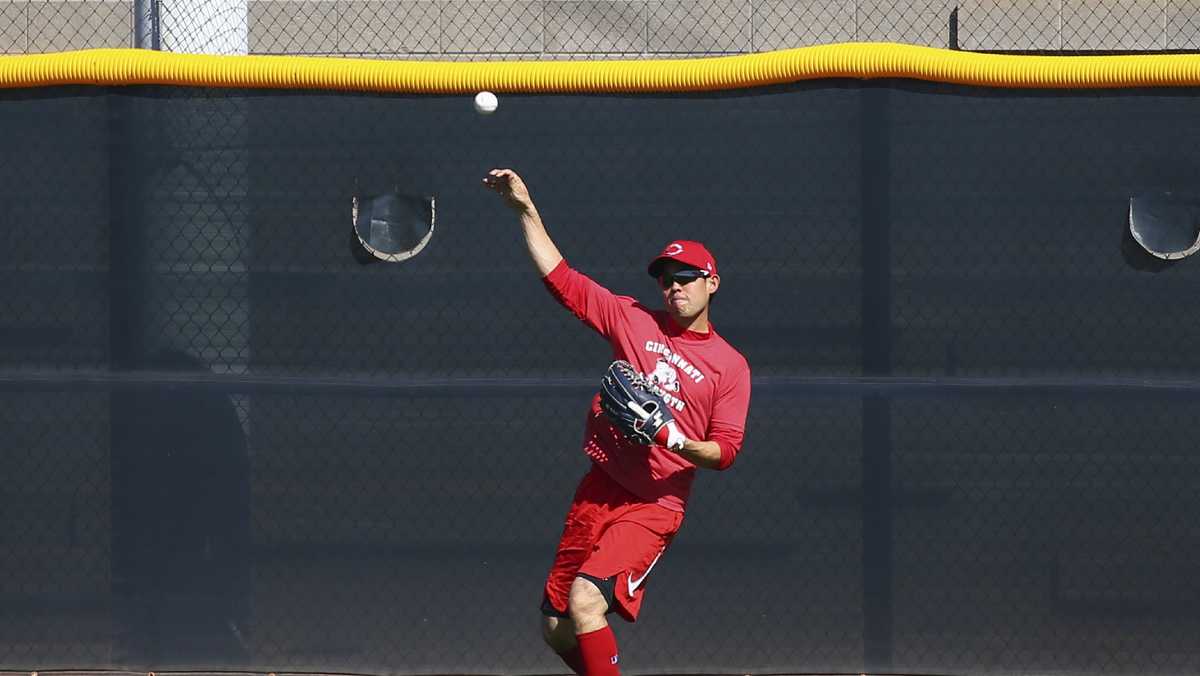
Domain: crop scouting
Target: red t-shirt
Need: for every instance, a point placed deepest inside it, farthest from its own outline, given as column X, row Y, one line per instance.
column 704, row 381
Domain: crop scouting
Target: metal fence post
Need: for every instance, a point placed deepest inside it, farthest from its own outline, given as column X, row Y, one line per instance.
column 145, row 24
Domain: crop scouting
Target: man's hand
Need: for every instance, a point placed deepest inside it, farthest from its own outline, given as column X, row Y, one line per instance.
column 509, row 185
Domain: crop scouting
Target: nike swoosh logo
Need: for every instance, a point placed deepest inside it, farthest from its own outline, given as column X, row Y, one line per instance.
column 634, row 584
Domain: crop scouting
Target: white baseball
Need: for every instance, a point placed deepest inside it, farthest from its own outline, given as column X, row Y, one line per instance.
column 485, row 103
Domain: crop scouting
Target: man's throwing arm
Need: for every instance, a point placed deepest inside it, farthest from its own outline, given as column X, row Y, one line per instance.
column 542, row 249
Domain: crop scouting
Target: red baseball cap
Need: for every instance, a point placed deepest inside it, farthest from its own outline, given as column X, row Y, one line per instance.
column 687, row 252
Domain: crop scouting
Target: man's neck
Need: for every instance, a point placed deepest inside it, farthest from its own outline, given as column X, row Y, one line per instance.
column 699, row 323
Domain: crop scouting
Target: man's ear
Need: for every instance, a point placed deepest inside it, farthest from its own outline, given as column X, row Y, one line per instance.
column 713, row 282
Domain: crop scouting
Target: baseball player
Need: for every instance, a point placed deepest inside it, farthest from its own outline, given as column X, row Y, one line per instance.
column 630, row 504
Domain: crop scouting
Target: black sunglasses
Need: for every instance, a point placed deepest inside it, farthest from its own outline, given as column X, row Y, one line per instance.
column 684, row 277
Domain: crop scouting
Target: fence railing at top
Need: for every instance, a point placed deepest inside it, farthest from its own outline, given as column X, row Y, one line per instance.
column 556, row 29
column 229, row 446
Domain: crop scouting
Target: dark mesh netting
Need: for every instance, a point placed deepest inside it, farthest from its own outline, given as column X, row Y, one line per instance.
column 230, row 445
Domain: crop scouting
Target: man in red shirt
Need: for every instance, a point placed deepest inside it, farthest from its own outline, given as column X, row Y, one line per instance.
column 629, row 506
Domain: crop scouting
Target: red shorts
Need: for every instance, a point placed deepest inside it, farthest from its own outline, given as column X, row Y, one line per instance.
column 611, row 536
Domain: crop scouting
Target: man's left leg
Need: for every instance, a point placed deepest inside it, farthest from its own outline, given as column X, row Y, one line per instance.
column 597, row 644
column 559, row 634
column 582, row 527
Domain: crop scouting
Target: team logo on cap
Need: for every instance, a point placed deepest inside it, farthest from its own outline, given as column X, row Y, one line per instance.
column 673, row 249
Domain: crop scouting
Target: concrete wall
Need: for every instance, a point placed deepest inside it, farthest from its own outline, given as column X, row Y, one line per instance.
column 582, row 29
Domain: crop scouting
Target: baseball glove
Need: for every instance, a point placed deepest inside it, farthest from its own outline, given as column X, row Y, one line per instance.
column 633, row 407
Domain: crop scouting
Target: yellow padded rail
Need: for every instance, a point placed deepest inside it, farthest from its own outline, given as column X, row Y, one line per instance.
column 850, row 60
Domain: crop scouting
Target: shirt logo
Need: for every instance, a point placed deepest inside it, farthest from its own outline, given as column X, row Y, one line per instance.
column 680, row 364
column 665, row 376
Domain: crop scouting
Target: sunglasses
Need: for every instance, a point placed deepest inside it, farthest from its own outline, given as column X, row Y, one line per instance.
column 684, row 277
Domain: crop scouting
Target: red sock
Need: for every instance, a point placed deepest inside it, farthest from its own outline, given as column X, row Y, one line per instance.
column 599, row 652
column 573, row 660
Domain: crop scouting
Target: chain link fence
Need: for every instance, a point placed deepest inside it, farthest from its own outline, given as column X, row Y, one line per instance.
column 571, row 29
column 228, row 445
